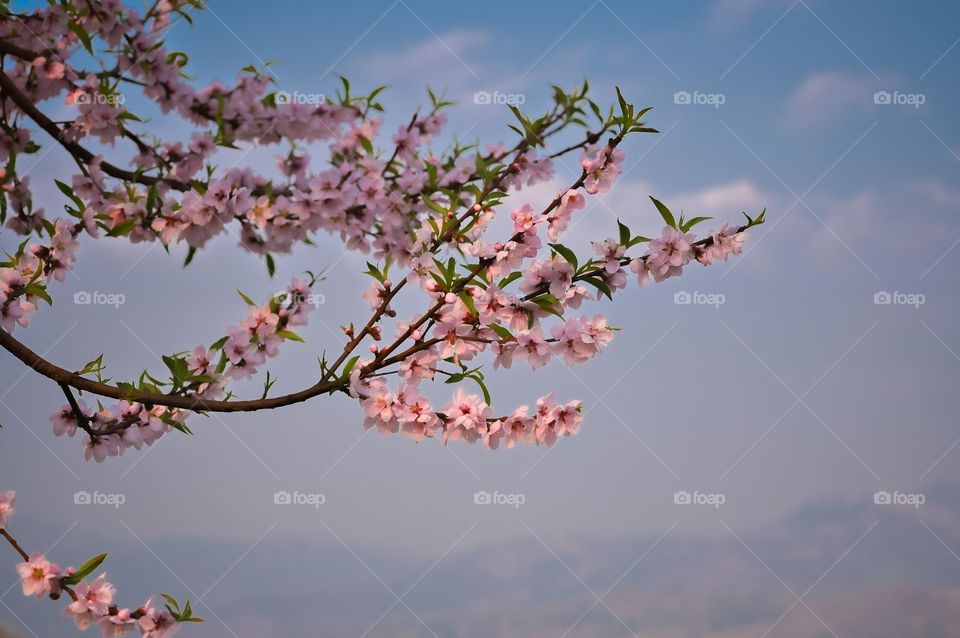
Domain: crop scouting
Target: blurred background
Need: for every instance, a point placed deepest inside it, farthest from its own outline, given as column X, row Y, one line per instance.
column 770, row 444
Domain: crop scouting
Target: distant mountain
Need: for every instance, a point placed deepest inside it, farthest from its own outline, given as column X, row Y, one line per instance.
column 898, row 580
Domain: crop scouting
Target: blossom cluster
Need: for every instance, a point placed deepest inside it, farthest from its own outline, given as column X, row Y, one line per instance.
column 25, row 275
column 371, row 202
column 203, row 373
column 466, row 322
column 412, row 208
column 92, row 601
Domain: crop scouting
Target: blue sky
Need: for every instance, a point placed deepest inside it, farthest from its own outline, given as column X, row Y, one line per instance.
column 797, row 389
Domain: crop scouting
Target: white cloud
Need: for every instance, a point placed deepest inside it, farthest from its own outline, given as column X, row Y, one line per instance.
column 912, row 221
column 726, row 15
column 827, row 96
column 723, row 199
column 441, row 60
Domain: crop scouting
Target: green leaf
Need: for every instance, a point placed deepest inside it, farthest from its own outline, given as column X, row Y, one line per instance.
column 502, row 332
column 624, row 110
column 664, row 212
column 66, row 190
column 122, row 228
column 347, row 369
column 82, row 34
column 600, row 285
column 509, row 279
column 483, row 388
column 176, row 425
column 95, row 365
column 38, row 291
column 172, row 604
column 690, row 223
column 566, row 253
column 246, row 298
column 432, row 205
column 190, row 253
column 624, row 233
column 290, row 335
column 177, row 367
column 85, row 570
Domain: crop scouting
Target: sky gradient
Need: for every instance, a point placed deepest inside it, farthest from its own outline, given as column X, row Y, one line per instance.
column 802, row 388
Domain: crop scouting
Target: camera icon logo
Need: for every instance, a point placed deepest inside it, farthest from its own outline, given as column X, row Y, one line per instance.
column 482, row 498
column 82, row 498
column 82, row 297
column 882, row 498
column 282, row 498
column 682, row 498
column 882, row 298
column 882, row 97
column 281, row 97
column 482, row 97
column 682, row 298
column 682, row 97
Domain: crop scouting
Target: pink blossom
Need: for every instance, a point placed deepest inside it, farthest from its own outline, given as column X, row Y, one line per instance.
column 555, row 273
column 156, row 622
column 567, row 418
column 533, row 347
column 38, row 576
column 93, row 600
column 670, row 252
column 645, row 270
column 601, row 168
column 610, row 252
column 65, row 420
column 466, row 411
column 493, row 305
column 375, row 294
column 503, row 351
column 516, row 428
column 199, row 363
column 261, row 321
column 7, row 501
column 725, row 242
column 418, row 417
column 570, row 202
column 524, row 218
column 380, row 408
column 419, row 366
column 117, row 624
column 579, row 339
column 545, row 433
